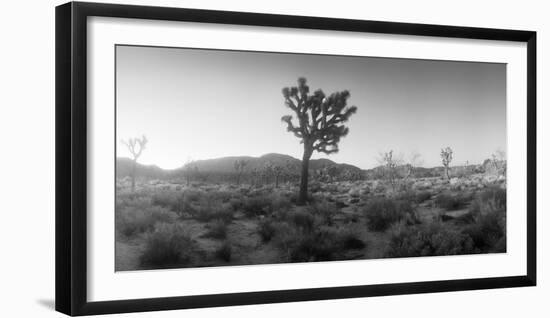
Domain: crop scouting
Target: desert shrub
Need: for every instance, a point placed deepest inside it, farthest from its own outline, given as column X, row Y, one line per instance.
column 320, row 245
column 209, row 211
column 220, row 196
column 350, row 240
column 217, row 230
column 280, row 203
column 167, row 246
column 427, row 240
column 173, row 200
column 382, row 212
column 224, row 252
column 265, row 204
column 267, row 229
column 257, row 205
column 491, row 199
column 486, row 220
column 324, row 210
column 423, row 196
column 140, row 217
column 452, row 202
column 488, row 231
column 302, row 220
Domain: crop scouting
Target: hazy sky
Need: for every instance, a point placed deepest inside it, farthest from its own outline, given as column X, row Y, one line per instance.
column 201, row 104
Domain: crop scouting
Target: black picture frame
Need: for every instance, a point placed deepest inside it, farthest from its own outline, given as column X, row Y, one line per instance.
column 71, row 157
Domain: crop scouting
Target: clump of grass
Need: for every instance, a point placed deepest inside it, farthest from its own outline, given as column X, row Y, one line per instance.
column 257, row 205
column 140, row 216
column 209, row 211
column 303, row 220
column 217, row 230
column 351, row 241
column 167, row 246
column 427, row 240
column 324, row 210
column 267, row 230
column 225, row 252
column 173, row 200
column 382, row 212
column 486, row 220
column 423, row 196
column 452, row 202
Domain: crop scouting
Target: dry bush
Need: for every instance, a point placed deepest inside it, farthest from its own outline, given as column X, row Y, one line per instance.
column 168, row 246
column 383, row 212
column 427, row 240
column 225, row 252
column 217, row 230
column 451, row 202
column 133, row 217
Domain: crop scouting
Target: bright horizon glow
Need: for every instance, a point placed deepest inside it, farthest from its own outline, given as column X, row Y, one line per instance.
column 205, row 104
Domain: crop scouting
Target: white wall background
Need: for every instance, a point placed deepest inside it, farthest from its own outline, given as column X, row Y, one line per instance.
column 27, row 158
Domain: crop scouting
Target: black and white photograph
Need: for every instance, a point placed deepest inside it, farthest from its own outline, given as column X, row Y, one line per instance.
column 241, row 158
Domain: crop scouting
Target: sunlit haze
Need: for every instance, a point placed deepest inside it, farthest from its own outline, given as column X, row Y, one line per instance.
column 201, row 104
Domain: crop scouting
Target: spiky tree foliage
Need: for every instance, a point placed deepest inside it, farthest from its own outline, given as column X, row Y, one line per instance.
column 319, row 124
column 135, row 147
column 239, row 166
column 390, row 166
column 499, row 162
column 446, row 158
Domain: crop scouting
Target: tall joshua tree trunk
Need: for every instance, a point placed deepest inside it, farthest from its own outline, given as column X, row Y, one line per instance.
column 308, row 151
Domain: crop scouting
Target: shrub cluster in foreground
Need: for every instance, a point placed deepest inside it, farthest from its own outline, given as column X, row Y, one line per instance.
column 381, row 213
column 481, row 230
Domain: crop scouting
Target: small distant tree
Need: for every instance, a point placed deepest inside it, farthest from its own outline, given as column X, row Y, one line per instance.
column 135, row 147
column 319, row 125
column 239, row 165
column 446, row 158
column 391, row 164
column 414, row 162
column 267, row 172
column 498, row 160
column 190, row 171
column 278, row 172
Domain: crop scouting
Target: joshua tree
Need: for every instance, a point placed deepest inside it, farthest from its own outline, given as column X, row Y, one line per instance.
column 390, row 165
column 190, row 171
column 239, row 166
column 135, row 147
column 499, row 161
column 267, row 172
column 320, row 122
column 446, row 158
column 414, row 162
column 278, row 172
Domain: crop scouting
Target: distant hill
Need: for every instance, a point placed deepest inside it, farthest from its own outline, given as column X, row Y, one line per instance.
column 225, row 165
column 220, row 168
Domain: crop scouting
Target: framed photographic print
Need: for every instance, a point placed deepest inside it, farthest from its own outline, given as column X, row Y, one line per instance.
column 209, row 158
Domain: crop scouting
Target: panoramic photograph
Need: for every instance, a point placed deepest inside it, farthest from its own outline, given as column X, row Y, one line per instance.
column 228, row 158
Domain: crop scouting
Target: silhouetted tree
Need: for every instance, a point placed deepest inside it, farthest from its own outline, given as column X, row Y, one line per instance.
column 446, row 158
column 390, row 168
column 239, row 165
column 190, row 171
column 320, row 123
column 278, row 172
column 499, row 162
column 135, row 147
